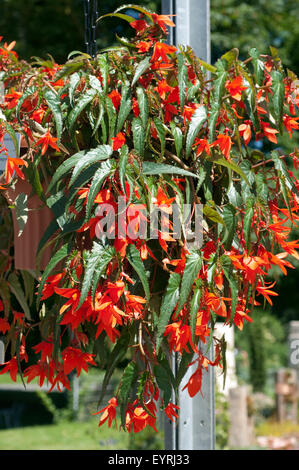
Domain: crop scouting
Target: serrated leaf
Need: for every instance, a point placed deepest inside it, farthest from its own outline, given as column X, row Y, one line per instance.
column 81, row 104
column 62, row 253
column 153, row 168
column 178, row 138
column 143, row 105
column 182, row 79
column 21, row 208
column 102, row 264
column 281, row 167
column 102, row 152
column 140, row 69
column 133, row 256
column 16, row 288
column 169, row 302
column 123, row 161
column 277, row 97
column 104, row 69
column 230, row 221
column 198, row 119
column 112, row 116
column 258, row 65
column 247, row 222
column 99, row 177
column 53, row 101
column 127, row 383
column 138, row 135
column 124, row 109
column 163, row 383
column 232, row 166
column 227, row 268
column 194, row 308
column 212, row 214
column 161, row 130
column 192, row 267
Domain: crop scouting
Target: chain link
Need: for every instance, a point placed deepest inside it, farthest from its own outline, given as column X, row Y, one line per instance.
column 90, row 17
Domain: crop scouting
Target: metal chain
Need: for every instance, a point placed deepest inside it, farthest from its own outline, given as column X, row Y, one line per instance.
column 90, row 17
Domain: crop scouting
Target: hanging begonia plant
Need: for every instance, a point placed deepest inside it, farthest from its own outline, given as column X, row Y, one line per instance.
column 145, row 129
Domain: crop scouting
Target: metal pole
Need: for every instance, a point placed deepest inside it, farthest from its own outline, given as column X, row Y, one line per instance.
column 196, row 427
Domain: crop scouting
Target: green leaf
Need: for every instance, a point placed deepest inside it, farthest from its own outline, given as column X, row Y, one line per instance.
column 212, row 214
column 163, row 383
column 121, row 16
column 104, row 69
column 219, row 85
column 194, row 308
column 65, row 167
column 232, row 166
column 10, row 130
column 117, row 354
column 123, row 162
column 53, row 102
column 102, row 152
column 161, row 130
column 16, row 288
column 231, row 56
column 81, row 104
column 182, row 79
column 277, row 98
column 112, row 116
column 258, row 65
column 169, row 302
column 99, row 177
column 73, row 84
column 140, row 69
column 247, row 222
column 130, row 6
column 283, row 169
column 143, row 105
column 192, row 268
column 127, row 383
column 178, row 138
column 207, row 66
column 138, row 135
column 62, row 253
column 124, row 109
column 95, row 83
column 92, row 259
column 183, row 365
column 153, row 168
column 196, row 123
column 227, row 268
column 213, row 116
column 28, row 92
column 21, row 207
column 102, row 264
column 230, row 220
column 133, row 256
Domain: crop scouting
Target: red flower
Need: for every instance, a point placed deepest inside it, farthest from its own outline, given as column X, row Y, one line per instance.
column 115, row 97
column 235, row 87
column 245, row 131
column 47, row 140
column 224, row 142
column 76, row 359
column 118, row 141
column 161, row 50
column 109, row 412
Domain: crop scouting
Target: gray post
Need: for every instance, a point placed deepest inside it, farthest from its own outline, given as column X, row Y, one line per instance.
column 1, row 352
column 293, row 340
column 192, row 25
column 196, row 427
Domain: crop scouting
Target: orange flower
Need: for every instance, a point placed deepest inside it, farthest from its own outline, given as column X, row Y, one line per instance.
column 109, row 412
column 162, row 21
column 115, row 97
column 118, row 141
column 290, row 123
column 161, row 50
column 47, row 140
column 245, row 131
column 235, row 87
column 224, row 142
column 12, row 165
column 74, row 358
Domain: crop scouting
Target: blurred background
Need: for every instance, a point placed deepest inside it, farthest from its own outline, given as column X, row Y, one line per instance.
column 259, row 352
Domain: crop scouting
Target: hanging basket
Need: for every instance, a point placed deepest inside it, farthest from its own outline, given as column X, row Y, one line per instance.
column 39, row 217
